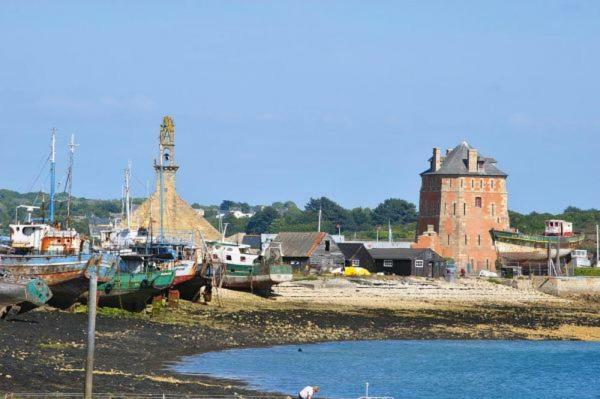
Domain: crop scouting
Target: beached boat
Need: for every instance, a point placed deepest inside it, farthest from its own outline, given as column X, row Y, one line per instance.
column 45, row 250
column 246, row 271
column 137, row 279
column 59, row 257
column 19, row 294
column 517, row 247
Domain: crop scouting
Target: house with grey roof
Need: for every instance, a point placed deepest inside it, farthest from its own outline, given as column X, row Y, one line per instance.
column 315, row 249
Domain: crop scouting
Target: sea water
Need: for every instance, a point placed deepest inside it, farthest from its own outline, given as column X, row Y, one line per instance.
column 414, row 369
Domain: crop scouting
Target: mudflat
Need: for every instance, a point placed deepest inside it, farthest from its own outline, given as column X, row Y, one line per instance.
column 43, row 351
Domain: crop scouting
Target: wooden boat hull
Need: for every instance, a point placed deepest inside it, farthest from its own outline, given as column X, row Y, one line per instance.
column 21, row 295
column 132, row 291
column 515, row 247
column 65, row 275
column 256, row 277
column 190, row 289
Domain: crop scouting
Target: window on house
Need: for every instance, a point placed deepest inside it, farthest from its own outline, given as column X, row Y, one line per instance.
column 472, row 183
column 355, row 262
column 487, row 263
column 448, row 239
column 477, row 202
column 418, row 263
column 492, row 183
column 465, row 239
column 388, row 263
column 327, row 245
column 464, row 208
column 481, row 183
column 462, row 183
column 454, row 208
column 479, row 239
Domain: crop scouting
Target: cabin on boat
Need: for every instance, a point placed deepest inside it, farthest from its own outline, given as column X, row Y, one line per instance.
column 318, row 250
column 558, row 228
column 357, row 255
column 408, row 262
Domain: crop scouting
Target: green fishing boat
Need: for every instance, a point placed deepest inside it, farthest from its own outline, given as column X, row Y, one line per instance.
column 133, row 290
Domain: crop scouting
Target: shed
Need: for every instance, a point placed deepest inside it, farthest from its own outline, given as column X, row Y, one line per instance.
column 316, row 249
column 408, row 262
column 356, row 254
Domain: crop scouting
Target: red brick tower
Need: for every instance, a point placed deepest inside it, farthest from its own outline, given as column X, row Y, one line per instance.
column 463, row 196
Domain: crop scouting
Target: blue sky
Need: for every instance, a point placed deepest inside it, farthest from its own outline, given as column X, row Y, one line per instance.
column 284, row 100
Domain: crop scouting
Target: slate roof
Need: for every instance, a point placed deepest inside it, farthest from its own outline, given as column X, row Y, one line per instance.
column 299, row 245
column 456, row 163
column 400, row 253
column 349, row 249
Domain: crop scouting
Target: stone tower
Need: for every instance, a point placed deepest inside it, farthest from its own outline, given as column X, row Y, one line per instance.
column 463, row 196
column 167, row 153
column 179, row 219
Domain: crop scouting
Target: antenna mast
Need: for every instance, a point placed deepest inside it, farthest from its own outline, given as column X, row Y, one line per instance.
column 52, row 173
column 320, row 214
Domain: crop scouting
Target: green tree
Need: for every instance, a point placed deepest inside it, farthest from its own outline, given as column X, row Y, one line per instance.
column 397, row 211
column 262, row 220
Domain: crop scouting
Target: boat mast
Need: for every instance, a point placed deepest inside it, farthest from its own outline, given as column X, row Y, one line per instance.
column 52, row 173
column 72, row 146
column 127, row 196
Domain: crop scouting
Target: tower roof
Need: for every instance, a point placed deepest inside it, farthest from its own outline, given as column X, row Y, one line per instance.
column 456, row 163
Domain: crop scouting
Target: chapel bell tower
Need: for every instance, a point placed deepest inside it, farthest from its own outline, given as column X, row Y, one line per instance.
column 167, row 152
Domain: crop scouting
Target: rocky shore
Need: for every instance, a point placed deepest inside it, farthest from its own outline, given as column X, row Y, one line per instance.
column 43, row 351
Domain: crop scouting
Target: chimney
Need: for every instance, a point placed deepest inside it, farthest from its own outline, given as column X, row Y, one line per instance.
column 472, row 161
column 436, row 160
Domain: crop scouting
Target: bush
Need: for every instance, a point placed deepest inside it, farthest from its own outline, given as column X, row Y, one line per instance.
column 588, row 271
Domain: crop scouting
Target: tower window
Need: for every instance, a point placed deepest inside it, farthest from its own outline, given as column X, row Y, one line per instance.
column 454, row 208
column 445, row 208
column 492, row 183
column 466, row 240
column 477, row 202
column 462, row 181
column 448, row 239
column 479, row 239
column 481, row 183
column 493, row 209
column 464, row 208
column 472, row 183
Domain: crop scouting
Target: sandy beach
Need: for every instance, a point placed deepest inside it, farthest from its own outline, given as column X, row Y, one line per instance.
column 43, row 351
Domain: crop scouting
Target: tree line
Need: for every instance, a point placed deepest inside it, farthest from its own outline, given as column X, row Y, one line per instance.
column 362, row 222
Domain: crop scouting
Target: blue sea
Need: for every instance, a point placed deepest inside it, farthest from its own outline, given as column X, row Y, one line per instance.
column 414, row 369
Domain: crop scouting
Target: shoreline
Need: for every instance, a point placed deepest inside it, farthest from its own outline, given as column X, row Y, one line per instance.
column 43, row 351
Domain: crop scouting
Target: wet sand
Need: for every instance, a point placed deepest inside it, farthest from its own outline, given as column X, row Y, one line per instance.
column 43, row 351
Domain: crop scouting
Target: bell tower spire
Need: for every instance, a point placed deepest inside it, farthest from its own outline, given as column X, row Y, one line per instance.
column 167, row 152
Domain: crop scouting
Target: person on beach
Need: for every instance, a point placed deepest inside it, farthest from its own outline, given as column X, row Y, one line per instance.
column 308, row 392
